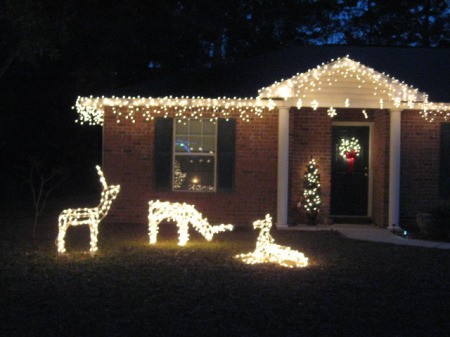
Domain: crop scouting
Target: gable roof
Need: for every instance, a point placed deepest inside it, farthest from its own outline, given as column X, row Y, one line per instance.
column 426, row 69
column 343, row 80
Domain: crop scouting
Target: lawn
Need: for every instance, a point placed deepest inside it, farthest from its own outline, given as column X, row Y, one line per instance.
column 351, row 288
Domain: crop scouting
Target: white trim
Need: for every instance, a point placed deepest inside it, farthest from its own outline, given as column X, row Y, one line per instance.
column 394, row 169
column 370, row 162
column 283, row 167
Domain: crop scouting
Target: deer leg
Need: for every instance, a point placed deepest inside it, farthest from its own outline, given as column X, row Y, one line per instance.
column 183, row 232
column 62, row 228
column 152, row 231
column 93, row 226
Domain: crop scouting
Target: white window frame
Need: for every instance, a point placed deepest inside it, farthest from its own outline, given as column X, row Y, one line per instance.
column 194, row 154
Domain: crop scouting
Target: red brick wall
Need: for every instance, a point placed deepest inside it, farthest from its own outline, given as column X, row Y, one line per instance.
column 128, row 161
column 420, row 147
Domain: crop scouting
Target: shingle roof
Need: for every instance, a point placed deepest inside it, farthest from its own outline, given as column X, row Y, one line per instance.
column 426, row 69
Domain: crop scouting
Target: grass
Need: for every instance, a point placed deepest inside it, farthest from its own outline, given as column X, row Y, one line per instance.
column 351, row 288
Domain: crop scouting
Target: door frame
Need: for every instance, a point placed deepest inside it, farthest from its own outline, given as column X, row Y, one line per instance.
column 370, row 178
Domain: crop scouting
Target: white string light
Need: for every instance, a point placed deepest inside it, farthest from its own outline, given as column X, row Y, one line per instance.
column 365, row 114
column 87, row 216
column 309, row 84
column 314, row 104
column 331, row 112
column 311, row 194
column 183, row 214
column 313, row 80
column 268, row 252
column 91, row 109
column 431, row 111
column 305, row 87
column 349, row 146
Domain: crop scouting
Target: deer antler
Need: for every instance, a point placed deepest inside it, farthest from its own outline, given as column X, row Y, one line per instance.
column 102, row 177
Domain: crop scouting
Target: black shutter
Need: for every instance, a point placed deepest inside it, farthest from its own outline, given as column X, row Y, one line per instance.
column 163, row 153
column 444, row 186
column 226, row 142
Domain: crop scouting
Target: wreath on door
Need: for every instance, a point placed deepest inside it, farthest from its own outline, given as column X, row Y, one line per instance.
column 349, row 149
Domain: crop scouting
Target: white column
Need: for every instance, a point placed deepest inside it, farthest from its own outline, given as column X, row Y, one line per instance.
column 394, row 170
column 283, row 167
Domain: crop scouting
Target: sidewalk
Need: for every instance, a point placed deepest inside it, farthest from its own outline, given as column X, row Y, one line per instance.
column 371, row 233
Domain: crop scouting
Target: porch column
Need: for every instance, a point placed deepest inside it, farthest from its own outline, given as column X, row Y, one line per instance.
column 394, row 170
column 283, row 167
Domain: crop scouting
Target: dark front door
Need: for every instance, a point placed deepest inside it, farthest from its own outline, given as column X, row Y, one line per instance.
column 349, row 171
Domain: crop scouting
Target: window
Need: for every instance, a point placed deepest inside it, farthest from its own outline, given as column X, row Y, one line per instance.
column 444, row 183
column 195, row 151
column 194, row 155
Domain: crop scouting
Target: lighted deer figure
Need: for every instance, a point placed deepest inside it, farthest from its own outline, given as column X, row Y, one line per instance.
column 182, row 214
column 87, row 216
column 268, row 252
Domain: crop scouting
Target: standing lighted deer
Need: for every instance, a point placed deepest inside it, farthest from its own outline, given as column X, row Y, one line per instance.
column 87, row 216
column 182, row 214
column 268, row 252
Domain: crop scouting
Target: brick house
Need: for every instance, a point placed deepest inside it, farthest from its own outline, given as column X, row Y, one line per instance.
column 237, row 159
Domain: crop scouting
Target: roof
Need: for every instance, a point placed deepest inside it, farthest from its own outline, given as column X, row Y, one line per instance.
column 426, row 69
column 342, row 81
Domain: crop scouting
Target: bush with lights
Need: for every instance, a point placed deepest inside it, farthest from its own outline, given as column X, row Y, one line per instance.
column 311, row 193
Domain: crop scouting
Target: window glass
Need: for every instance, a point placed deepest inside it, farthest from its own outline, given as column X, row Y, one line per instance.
column 195, row 145
column 194, row 173
column 209, row 127
column 209, row 144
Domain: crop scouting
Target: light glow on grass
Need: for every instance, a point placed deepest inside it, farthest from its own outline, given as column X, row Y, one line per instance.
column 268, row 252
column 182, row 214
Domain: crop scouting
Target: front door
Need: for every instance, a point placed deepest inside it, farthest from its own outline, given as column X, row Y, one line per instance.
column 349, row 171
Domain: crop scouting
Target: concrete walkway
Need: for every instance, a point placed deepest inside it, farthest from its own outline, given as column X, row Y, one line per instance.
column 371, row 233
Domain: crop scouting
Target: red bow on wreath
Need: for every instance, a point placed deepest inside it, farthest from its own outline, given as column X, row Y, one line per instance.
column 351, row 157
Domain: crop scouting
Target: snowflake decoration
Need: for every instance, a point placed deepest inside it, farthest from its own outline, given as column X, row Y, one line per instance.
column 332, row 112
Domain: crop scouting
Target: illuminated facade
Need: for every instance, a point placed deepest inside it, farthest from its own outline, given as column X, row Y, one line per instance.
column 378, row 141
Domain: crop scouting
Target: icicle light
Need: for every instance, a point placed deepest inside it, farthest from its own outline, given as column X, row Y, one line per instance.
column 91, row 109
column 382, row 90
column 183, row 214
column 87, row 216
column 311, row 85
column 268, row 252
column 331, row 112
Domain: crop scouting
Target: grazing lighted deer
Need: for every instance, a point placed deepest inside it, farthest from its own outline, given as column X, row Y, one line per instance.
column 268, row 252
column 182, row 214
column 87, row 216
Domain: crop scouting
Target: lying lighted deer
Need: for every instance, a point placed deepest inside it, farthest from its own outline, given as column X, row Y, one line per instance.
column 87, row 216
column 268, row 252
column 183, row 214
